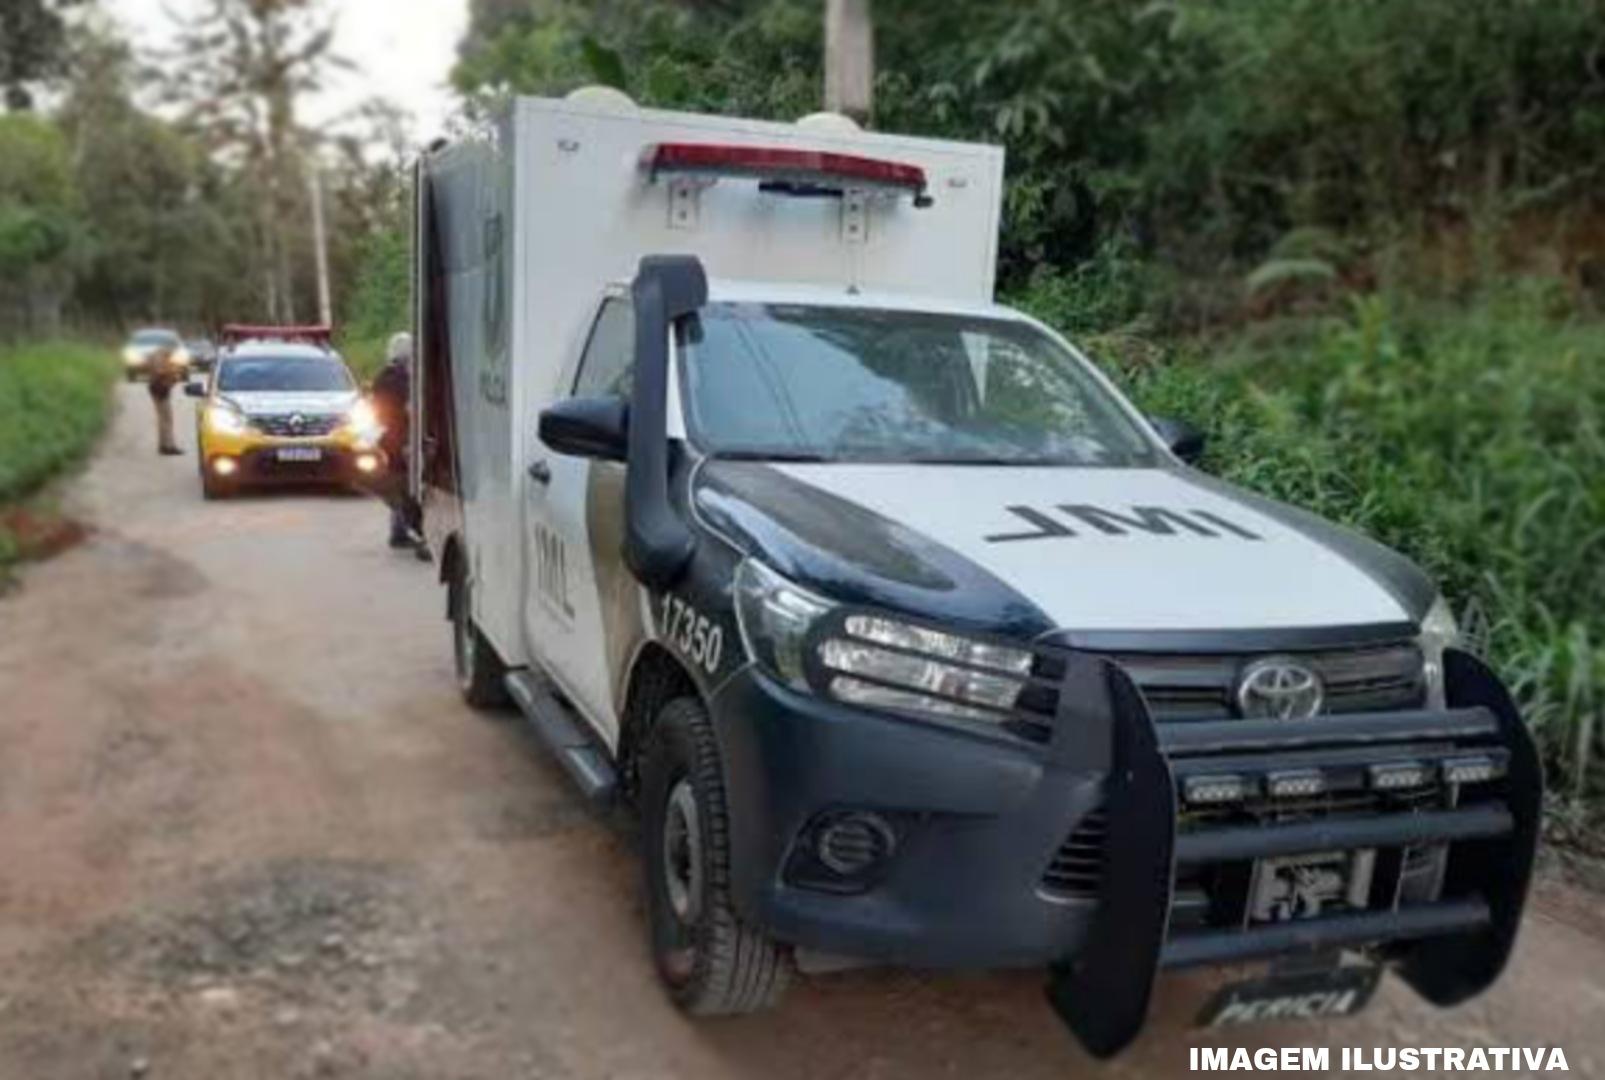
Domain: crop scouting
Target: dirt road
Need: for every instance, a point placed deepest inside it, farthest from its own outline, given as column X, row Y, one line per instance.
column 247, row 830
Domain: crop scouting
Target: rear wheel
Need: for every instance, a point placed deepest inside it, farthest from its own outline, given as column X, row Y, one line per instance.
column 712, row 962
column 480, row 672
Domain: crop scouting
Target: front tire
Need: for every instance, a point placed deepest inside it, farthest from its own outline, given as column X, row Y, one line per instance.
column 711, row 962
column 480, row 672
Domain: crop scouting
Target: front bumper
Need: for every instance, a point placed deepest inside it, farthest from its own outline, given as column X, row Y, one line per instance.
column 260, row 464
column 981, row 823
column 977, row 822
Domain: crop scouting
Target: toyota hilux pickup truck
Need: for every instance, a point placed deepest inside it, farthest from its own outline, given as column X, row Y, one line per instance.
column 907, row 636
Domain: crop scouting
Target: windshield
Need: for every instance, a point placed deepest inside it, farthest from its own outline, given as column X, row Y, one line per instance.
column 155, row 337
column 792, row 382
column 283, row 373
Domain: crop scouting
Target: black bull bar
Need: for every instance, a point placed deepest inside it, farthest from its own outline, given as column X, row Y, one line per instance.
column 1449, row 948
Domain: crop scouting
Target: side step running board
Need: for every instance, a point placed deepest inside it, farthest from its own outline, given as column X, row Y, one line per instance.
column 558, row 728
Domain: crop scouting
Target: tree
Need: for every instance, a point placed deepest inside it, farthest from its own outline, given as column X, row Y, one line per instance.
column 37, row 223
column 246, row 64
column 33, row 47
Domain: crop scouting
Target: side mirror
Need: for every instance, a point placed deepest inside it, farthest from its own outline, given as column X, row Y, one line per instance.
column 590, row 427
column 1184, row 440
column 194, row 389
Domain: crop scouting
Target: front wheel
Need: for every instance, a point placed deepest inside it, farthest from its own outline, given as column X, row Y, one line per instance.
column 712, row 963
column 480, row 672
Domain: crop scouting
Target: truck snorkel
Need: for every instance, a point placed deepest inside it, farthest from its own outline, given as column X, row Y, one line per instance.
column 657, row 543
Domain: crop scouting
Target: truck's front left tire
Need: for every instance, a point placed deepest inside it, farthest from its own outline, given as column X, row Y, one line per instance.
column 481, row 674
column 712, row 963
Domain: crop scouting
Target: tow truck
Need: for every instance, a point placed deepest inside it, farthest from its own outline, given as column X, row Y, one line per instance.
column 908, row 637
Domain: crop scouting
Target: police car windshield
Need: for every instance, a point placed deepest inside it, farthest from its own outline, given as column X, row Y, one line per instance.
column 820, row 383
column 245, row 374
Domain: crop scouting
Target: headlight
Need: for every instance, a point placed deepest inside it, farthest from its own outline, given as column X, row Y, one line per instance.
column 875, row 661
column 363, row 420
column 181, row 357
column 775, row 616
column 1438, row 632
column 132, row 355
column 226, row 420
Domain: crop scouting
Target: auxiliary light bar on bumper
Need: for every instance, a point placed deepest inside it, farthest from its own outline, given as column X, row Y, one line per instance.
column 1164, row 777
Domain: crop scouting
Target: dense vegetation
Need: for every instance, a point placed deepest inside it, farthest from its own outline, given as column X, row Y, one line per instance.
column 54, row 401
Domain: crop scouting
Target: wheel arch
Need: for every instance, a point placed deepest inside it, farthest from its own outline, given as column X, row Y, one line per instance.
column 656, row 677
column 451, row 561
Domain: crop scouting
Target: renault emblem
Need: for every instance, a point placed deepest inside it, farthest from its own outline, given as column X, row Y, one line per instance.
column 1279, row 688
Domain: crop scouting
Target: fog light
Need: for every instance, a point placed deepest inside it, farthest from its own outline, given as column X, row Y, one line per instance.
column 1295, row 782
column 1218, row 788
column 853, row 843
column 1397, row 775
column 1472, row 770
column 225, row 466
column 367, row 463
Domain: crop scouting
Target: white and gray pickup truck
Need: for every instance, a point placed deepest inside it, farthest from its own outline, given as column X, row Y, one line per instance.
column 910, row 639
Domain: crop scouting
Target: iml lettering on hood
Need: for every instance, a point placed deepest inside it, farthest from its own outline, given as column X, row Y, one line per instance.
column 1152, row 520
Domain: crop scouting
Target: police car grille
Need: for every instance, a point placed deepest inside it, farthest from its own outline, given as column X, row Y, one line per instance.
column 1201, row 687
column 285, row 426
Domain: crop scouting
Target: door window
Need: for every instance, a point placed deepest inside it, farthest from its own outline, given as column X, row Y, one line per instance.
column 609, row 361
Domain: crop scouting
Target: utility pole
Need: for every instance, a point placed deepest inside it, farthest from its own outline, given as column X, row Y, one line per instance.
column 320, row 246
column 849, row 59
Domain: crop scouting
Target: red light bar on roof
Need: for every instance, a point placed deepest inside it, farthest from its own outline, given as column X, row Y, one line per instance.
column 783, row 168
column 234, row 333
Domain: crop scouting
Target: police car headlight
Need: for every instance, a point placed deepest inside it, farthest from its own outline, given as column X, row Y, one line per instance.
column 226, row 420
column 363, row 421
column 1438, row 632
column 775, row 617
column 884, row 663
column 871, row 660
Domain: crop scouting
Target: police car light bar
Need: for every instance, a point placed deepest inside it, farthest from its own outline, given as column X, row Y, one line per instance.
column 320, row 334
column 786, row 170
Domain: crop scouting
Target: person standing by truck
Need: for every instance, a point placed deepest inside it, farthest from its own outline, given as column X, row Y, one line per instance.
column 392, row 399
column 166, row 372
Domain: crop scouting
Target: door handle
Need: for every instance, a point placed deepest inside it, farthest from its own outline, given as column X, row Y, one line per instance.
column 541, row 473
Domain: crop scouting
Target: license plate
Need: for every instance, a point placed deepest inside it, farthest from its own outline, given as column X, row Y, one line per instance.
column 1306, row 995
column 300, row 453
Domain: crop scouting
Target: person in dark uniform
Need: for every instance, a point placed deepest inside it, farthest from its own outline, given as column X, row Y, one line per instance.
column 391, row 394
column 165, row 373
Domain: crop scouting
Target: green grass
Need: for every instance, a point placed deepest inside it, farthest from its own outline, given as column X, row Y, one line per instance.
column 54, row 401
column 1473, row 439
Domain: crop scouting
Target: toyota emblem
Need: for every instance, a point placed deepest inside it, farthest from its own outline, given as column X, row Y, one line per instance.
column 1279, row 688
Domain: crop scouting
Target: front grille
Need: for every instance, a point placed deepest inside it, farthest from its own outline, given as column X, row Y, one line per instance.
column 1202, row 687
column 1077, row 867
column 296, row 425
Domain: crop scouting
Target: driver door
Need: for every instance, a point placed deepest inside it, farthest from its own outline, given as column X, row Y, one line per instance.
column 573, row 539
